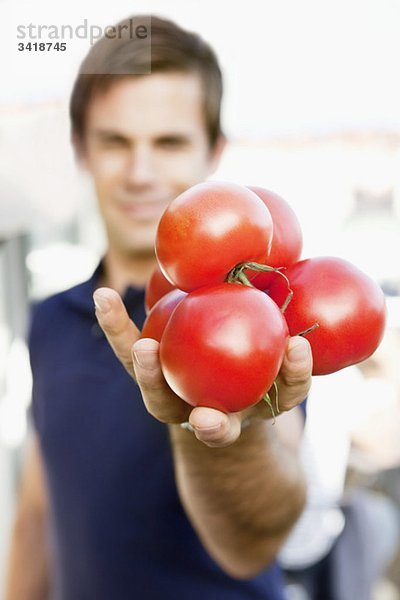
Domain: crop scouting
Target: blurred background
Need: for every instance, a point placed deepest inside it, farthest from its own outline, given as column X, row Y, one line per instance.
column 311, row 111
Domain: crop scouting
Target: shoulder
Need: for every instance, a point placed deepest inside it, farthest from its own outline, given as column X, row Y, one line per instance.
column 52, row 313
column 52, row 305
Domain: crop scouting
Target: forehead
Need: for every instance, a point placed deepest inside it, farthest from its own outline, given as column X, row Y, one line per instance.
column 149, row 105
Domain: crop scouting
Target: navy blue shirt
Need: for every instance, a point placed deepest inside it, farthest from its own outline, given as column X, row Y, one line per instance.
column 118, row 530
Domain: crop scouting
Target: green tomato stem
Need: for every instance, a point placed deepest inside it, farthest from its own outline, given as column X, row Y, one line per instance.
column 237, row 275
column 275, row 386
column 308, row 330
column 267, row 399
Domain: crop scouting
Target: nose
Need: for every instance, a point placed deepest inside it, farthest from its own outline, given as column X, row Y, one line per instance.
column 140, row 169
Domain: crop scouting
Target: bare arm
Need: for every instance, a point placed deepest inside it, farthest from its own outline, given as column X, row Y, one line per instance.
column 28, row 573
column 241, row 491
column 243, row 498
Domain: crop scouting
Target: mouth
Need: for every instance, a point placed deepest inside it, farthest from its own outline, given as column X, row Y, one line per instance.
column 143, row 211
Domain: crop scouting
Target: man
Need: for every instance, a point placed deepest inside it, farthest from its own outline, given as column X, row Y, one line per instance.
column 118, row 500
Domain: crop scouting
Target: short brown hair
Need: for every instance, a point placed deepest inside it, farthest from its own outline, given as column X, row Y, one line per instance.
column 172, row 49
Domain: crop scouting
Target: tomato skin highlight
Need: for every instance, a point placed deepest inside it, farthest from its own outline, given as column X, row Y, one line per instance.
column 287, row 239
column 207, row 230
column 159, row 315
column 223, row 346
column 157, row 286
column 348, row 306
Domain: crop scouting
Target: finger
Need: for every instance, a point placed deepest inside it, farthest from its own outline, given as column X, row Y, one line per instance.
column 294, row 378
column 119, row 329
column 160, row 401
column 215, row 428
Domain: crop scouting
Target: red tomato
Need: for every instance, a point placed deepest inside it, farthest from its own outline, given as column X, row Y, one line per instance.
column 156, row 288
column 208, row 230
column 287, row 239
column 348, row 306
column 159, row 315
column 223, row 346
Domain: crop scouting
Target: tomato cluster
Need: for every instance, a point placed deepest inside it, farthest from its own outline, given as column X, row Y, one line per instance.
column 231, row 256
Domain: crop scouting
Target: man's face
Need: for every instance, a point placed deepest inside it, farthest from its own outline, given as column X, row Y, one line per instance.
column 145, row 143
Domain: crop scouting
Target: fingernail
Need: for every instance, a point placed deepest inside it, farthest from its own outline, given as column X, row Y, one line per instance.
column 212, row 429
column 101, row 303
column 147, row 359
column 298, row 352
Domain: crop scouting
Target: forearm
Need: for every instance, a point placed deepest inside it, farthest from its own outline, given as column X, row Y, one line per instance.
column 242, row 499
column 28, row 565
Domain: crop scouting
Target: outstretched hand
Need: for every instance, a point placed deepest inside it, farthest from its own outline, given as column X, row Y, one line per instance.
column 140, row 358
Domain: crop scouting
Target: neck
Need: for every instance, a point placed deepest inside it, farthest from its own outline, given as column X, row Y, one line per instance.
column 120, row 271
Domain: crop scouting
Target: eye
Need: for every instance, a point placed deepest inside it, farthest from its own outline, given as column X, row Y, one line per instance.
column 173, row 142
column 115, row 140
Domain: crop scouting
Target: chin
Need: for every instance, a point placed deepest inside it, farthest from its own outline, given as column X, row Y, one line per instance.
column 138, row 242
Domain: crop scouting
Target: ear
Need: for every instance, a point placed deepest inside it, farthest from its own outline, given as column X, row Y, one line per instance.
column 78, row 145
column 216, row 152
